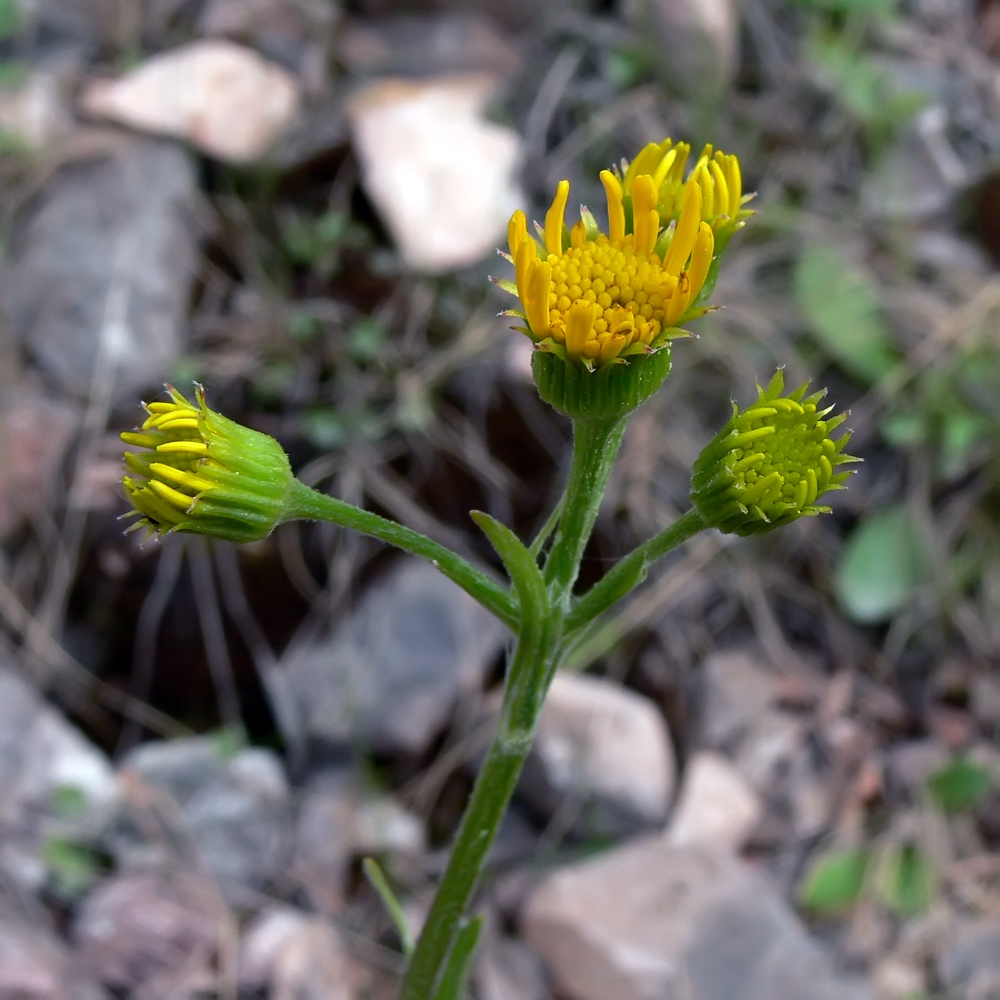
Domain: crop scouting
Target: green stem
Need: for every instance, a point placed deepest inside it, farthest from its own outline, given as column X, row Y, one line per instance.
column 546, row 529
column 631, row 570
column 310, row 504
column 595, row 445
column 481, row 820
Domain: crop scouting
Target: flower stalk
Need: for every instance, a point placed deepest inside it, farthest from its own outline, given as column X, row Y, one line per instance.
column 602, row 310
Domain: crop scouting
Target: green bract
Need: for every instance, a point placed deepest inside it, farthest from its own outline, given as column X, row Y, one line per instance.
column 606, row 393
column 770, row 463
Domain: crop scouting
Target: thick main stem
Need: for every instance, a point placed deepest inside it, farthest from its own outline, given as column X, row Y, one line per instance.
column 595, row 445
column 490, row 795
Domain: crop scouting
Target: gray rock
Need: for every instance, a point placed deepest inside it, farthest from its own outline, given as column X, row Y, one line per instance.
column 54, row 783
column 737, row 690
column 295, row 956
column 102, row 263
column 390, row 675
column 697, row 40
column 910, row 765
column 603, row 752
column 159, row 933
column 506, row 969
column 654, row 922
column 290, row 32
column 969, row 965
column 454, row 42
column 337, row 823
column 236, row 810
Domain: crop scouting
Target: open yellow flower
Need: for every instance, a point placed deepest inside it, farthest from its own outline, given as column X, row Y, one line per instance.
column 595, row 298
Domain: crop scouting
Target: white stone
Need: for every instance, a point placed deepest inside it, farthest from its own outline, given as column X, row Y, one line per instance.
column 223, row 98
column 649, row 921
column 716, row 806
column 293, row 954
column 441, row 176
column 598, row 739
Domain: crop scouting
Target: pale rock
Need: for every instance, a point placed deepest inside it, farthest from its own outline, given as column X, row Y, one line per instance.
column 294, row 956
column 235, row 809
column 56, row 784
column 36, row 965
column 737, row 691
column 441, row 176
column 223, row 98
column 506, row 969
column 151, row 932
column 716, row 806
column 698, row 40
column 895, row 978
column 339, row 823
column 389, row 676
column 649, row 921
column 605, row 748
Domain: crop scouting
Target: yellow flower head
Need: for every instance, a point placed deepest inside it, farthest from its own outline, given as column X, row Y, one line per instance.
column 595, row 297
column 198, row 471
column 771, row 462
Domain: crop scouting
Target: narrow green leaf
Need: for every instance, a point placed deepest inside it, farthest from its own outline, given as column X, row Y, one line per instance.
column 518, row 561
column 377, row 880
column 456, row 972
column 834, row 881
column 960, row 785
column 841, row 306
column 906, row 880
column 880, row 566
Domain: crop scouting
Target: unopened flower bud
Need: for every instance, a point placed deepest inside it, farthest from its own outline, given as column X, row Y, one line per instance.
column 198, row 471
column 771, row 462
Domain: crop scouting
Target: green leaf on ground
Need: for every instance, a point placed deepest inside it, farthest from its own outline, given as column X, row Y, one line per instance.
column 906, row 880
column 834, row 881
column 880, row 566
column 960, row 785
column 841, row 306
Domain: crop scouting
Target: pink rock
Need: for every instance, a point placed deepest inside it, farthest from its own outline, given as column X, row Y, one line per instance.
column 441, row 176
column 221, row 97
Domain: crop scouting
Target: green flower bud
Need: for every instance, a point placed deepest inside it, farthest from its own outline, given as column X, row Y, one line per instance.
column 770, row 463
column 199, row 471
